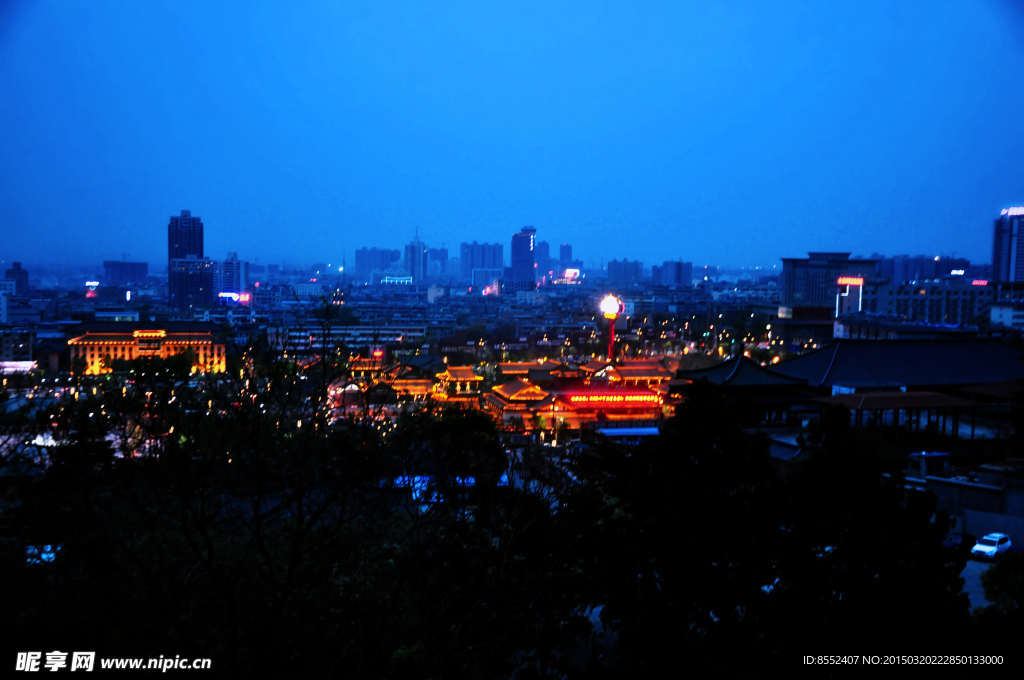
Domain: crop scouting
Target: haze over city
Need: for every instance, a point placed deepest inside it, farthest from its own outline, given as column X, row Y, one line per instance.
column 564, row 339
column 730, row 135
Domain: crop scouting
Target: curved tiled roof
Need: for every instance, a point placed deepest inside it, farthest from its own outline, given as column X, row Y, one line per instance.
column 886, row 363
column 740, row 372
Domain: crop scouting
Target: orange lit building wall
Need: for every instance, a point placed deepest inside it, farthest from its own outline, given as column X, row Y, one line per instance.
column 93, row 348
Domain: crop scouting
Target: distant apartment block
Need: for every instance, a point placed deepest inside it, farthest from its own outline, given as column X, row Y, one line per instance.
column 20, row 278
column 565, row 254
column 958, row 303
column 306, row 291
column 1008, row 315
column 437, row 261
column 673, row 274
column 230, row 275
column 811, row 281
column 486, row 277
column 903, row 268
column 416, row 260
column 16, row 343
column 368, row 259
column 1007, row 246
column 116, row 271
column 479, row 256
column 625, row 271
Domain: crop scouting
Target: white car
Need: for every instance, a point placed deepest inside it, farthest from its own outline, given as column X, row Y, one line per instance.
column 991, row 546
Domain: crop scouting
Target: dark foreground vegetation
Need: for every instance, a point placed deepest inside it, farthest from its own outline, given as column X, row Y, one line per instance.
column 238, row 519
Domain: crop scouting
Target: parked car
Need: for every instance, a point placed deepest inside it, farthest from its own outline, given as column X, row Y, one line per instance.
column 959, row 542
column 991, row 546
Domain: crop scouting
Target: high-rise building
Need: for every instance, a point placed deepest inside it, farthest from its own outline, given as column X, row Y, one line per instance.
column 542, row 258
column 564, row 254
column 230, row 275
column 189, row 274
column 190, row 282
column 416, row 259
column 524, row 269
column 184, row 236
column 437, row 261
column 811, row 281
column 479, row 256
column 486, row 277
column 1007, row 246
column 369, row 259
column 20, row 278
column 625, row 271
column 674, row 273
column 116, row 271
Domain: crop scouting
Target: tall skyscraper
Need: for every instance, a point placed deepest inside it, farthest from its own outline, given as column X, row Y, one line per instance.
column 189, row 274
column 565, row 254
column 475, row 255
column 437, row 261
column 523, row 263
column 20, row 278
column 1007, row 246
column 190, row 282
column 184, row 236
column 416, row 259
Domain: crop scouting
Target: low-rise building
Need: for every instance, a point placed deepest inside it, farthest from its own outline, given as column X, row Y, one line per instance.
column 100, row 348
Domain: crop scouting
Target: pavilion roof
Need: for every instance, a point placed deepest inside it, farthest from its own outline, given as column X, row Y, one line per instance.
column 594, row 366
column 738, row 372
column 460, row 373
column 520, row 390
column 652, row 371
column 884, row 363
column 524, row 367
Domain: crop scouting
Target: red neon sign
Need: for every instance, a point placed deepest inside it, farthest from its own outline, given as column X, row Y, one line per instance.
column 850, row 281
column 614, row 398
column 378, row 353
column 979, row 282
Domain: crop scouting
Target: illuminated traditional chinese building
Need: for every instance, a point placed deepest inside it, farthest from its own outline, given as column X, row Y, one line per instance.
column 522, row 368
column 208, row 351
column 592, row 396
column 458, row 383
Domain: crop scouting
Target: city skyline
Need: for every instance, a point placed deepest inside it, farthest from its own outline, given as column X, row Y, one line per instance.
column 399, row 339
column 780, row 136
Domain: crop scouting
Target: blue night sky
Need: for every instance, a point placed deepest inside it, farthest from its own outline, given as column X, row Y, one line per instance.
column 723, row 133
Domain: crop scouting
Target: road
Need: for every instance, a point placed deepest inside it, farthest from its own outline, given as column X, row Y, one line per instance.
column 972, row 582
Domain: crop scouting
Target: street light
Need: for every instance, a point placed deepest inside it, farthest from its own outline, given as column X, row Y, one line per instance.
column 611, row 307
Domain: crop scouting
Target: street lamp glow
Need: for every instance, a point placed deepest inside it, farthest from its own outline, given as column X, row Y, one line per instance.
column 611, row 306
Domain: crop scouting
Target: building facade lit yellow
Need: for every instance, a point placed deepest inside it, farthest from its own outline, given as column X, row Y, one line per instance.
column 209, row 352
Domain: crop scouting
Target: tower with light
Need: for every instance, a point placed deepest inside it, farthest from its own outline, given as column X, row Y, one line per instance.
column 611, row 307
